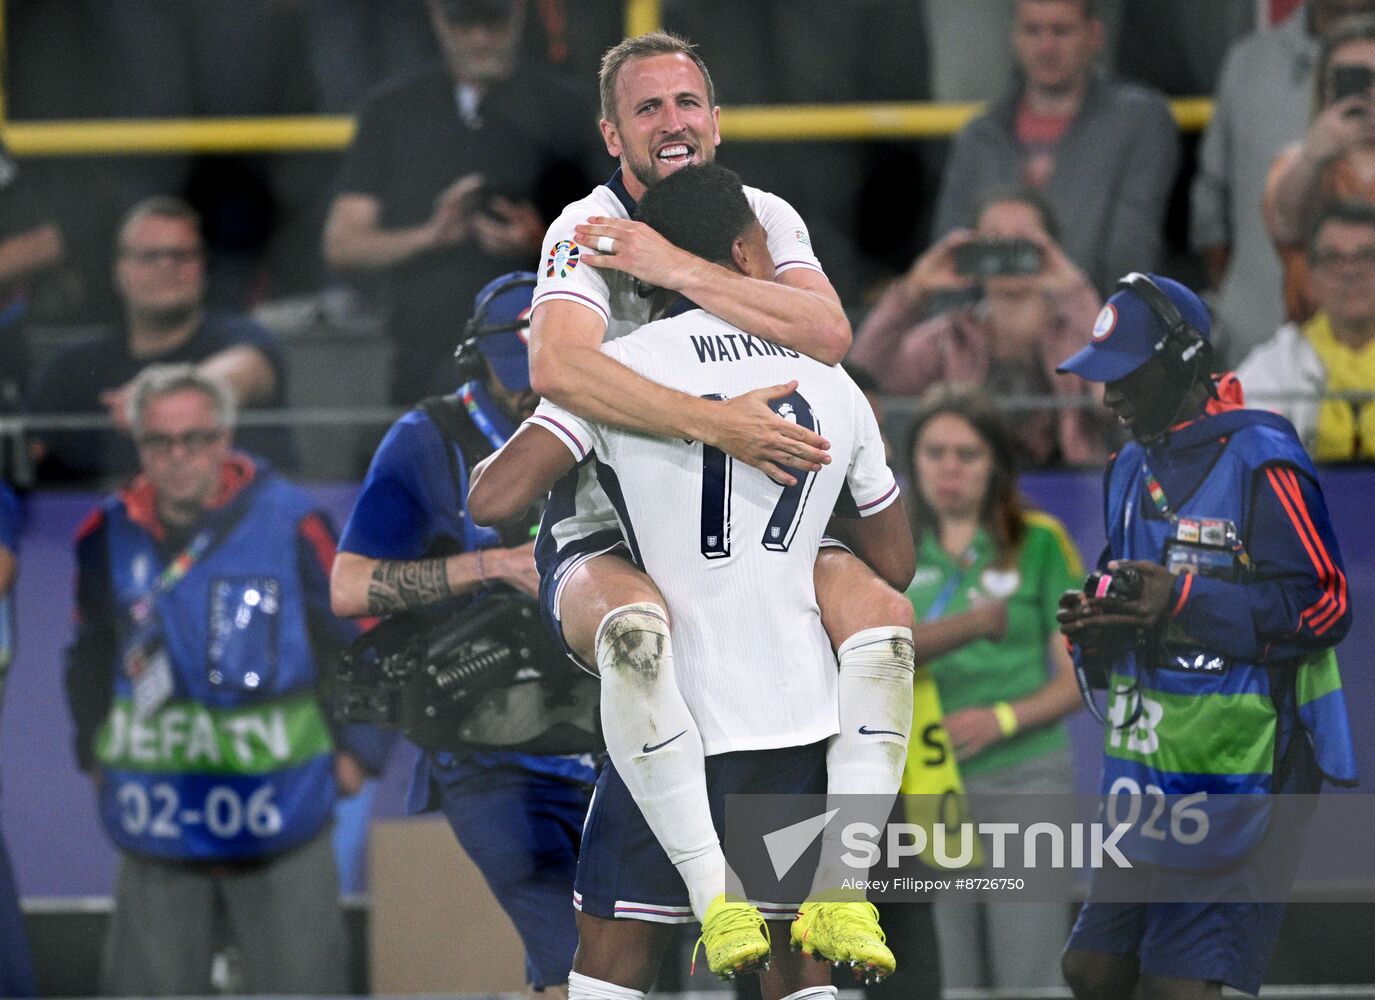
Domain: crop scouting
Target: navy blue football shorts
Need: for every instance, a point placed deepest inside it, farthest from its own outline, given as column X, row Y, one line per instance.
column 622, row 870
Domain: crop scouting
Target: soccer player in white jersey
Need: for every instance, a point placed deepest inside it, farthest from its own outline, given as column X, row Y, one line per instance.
column 659, row 115
column 752, row 676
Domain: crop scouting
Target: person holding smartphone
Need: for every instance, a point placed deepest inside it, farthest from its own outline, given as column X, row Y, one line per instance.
column 1018, row 304
column 1335, row 160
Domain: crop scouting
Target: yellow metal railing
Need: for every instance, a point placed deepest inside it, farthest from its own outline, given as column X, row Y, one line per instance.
column 761, row 123
column 764, row 123
column 642, row 16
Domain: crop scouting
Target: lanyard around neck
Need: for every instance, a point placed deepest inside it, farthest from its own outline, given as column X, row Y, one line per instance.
column 172, row 574
column 483, row 422
column 1156, row 491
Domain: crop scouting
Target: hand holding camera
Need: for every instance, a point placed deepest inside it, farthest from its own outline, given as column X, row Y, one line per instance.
column 1346, row 120
column 936, row 271
column 1128, row 597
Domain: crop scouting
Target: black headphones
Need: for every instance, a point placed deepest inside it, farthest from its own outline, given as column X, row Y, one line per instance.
column 468, row 358
column 1181, row 343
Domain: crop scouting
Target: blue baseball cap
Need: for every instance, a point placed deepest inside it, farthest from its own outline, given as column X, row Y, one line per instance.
column 1129, row 331
column 501, row 325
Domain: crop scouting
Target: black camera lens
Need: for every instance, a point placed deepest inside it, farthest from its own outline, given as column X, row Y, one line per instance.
column 1123, row 585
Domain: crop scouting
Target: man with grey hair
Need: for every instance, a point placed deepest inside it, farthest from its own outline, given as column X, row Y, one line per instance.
column 194, row 685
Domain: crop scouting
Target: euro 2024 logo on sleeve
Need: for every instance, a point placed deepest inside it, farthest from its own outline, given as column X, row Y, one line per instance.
column 563, row 259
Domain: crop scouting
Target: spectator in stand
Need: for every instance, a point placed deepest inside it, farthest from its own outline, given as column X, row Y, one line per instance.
column 1262, row 106
column 159, row 273
column 982, row 556
column 1336, row 159
column 30, row 242
column 452, row 178
column 1102, row 152
column 1334, row 351
column 203, row 615
column 1009, row 341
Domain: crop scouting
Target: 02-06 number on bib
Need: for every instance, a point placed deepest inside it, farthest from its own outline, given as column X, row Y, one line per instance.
column 159, row 811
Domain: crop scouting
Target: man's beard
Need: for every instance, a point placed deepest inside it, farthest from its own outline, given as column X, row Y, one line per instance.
column 643, row 171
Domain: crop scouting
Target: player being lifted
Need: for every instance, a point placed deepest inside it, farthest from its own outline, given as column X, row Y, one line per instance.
column 659, row 115
column 752, row 676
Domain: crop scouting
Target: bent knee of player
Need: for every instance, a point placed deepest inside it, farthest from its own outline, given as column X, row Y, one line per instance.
column 633, row 644
column 852, row 597
column 596, row 588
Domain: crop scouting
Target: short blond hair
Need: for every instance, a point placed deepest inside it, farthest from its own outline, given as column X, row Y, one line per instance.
column 163, row 380
column 655, row 43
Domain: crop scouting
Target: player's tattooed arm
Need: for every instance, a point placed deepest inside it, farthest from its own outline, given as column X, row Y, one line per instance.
column 396, row 585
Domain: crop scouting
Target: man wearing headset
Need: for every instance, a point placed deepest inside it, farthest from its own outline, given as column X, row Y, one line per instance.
column 410, row 545
column 1221, row 598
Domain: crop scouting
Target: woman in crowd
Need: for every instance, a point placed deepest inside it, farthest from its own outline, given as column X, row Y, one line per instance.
column 978, row 547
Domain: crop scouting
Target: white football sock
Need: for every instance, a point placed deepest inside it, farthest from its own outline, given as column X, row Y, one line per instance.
column 655, row 745
column 870, row 753
column 582, row 987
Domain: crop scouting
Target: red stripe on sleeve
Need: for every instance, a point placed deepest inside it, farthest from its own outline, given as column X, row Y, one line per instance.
column 1286, row 502
column 1293, row 506
column 1336, row 576
column 1335, row 580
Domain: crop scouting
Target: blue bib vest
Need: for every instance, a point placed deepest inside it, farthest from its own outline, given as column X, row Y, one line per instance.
column 236, row 762
column 1195, row 737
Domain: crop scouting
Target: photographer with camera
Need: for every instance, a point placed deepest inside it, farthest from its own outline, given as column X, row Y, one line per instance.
column 1033, row 307
column 1210, row 622
column 506, row 721
column 1335, row 161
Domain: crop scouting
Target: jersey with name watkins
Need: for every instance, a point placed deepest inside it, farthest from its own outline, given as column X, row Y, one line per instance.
column 732, row 551
column 616, row 296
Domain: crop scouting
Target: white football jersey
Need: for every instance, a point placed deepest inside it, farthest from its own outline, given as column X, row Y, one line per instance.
column 732, row 551
column 619, row 299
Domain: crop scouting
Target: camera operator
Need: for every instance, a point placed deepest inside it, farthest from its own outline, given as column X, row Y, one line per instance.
column 1032, row 306
column 410, row 547
column 1335, row 161
column 1219, row 596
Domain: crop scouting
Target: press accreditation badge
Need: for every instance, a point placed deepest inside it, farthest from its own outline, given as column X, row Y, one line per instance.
column 151, row 673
